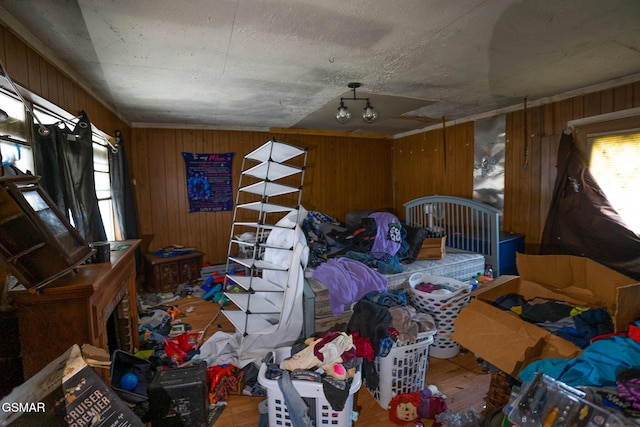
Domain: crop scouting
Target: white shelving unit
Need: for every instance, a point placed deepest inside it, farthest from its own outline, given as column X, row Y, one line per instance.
column 270, row 188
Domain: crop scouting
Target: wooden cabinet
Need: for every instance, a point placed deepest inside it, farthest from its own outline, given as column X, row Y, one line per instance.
column 164, row 274
column 37, row 243
column 75, row 309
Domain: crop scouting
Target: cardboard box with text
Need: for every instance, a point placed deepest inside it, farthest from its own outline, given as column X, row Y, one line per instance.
column 66, row 392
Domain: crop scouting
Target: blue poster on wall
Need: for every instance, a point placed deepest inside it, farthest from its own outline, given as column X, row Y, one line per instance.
column 209, row 186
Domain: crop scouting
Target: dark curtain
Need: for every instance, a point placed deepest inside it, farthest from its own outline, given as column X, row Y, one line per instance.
column 64, row 162
column 582, row 222
column 122, row 191
column 122, row 195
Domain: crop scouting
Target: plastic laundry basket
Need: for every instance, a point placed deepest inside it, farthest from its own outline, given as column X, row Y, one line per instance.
column 403, row 370
column 443, row 308
column 320, row 410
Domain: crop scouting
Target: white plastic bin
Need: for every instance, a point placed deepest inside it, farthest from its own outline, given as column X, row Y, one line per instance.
column 443, row 308
column 312, row 392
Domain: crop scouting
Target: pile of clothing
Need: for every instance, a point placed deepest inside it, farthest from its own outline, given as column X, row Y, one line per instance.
column 573, row 323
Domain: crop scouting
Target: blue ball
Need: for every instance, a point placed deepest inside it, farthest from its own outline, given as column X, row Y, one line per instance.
column 128, row 382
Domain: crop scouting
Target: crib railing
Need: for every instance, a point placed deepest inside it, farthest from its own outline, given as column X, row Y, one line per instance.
column 469, row 225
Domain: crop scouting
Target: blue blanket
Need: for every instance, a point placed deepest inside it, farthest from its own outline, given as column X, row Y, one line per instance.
column 597, row 366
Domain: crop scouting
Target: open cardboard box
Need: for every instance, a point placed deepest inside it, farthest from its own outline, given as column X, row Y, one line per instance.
column 66, row 392
column 510, row 343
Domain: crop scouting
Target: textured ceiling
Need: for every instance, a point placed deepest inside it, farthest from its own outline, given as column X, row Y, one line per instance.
column 286, row 63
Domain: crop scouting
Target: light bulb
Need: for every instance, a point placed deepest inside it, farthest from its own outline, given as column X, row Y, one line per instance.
column 343, row 115
column 369, row 114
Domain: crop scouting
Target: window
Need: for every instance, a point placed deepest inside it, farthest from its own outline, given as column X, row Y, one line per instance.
column 13, row 133
column 612, row 150
column 615, row 165
column 16, row 151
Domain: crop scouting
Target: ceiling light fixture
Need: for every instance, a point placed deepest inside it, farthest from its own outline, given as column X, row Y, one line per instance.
column 369, row 114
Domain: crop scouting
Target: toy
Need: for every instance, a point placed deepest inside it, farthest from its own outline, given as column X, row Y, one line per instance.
column 407, row 408
column 129, row 381
column 222, row 379
column 327, row 352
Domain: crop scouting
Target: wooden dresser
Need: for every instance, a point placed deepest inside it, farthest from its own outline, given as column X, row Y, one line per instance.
column 75, row 309
column 164, row 274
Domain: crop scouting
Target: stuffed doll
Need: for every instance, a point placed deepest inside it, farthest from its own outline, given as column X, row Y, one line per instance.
column 407, row 408
column 327, row 352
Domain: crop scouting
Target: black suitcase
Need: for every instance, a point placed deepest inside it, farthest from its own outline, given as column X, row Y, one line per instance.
column 179, row 397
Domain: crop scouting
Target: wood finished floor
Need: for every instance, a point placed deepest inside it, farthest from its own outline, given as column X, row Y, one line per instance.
column 460, row 378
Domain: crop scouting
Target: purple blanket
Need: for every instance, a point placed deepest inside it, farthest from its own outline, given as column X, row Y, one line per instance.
column 347, row 281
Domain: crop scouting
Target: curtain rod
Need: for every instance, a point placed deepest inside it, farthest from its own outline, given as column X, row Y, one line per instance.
column 42, row 129
column 622, row 114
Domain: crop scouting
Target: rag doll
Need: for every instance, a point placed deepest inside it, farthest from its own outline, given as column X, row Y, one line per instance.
column 407, row 408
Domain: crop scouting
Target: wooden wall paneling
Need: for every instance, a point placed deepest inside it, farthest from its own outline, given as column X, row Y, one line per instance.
column 419, row 164
column 535, row 129
column 438, row 162
column 44, row 78
column 139, row 164
column 622, row 97
column 217, row 226
column 182, row 137
column 171, row 231
column 591, row 104
column 52, row 84
column 157, row 180
column 449, row 161
column 190, row 227
column 578, row 107
column 525, row 171
column 563, row 113
column 69, row 100
column 3, row 48
column 548, row 170
column 60, row 82
column 606, row 101
column 312, row 171
column 34, row 77
column 214, row 227
column 16, row 62
column 429, row 174
column 409, row 154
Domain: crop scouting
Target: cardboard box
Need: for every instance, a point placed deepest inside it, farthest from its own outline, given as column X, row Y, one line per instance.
column 510, row 343
column 66, row 392
column 432, row 248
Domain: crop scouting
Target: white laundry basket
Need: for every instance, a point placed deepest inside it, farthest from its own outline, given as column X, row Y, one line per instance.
column 403, row 370
column 312, row 393
column 443, row 308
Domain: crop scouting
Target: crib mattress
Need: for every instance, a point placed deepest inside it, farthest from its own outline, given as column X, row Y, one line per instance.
column 456, row 265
